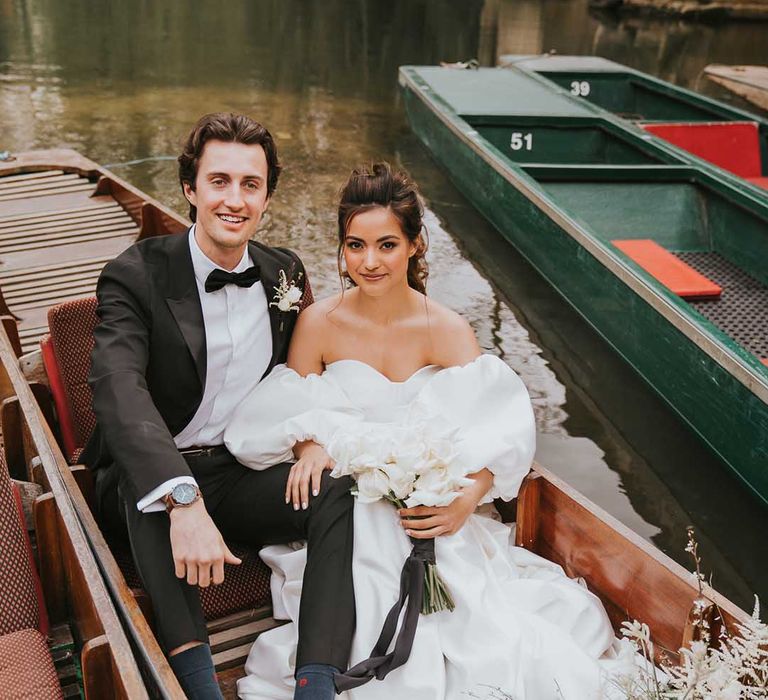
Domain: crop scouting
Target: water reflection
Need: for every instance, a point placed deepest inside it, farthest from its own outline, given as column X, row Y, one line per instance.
column 122, row 82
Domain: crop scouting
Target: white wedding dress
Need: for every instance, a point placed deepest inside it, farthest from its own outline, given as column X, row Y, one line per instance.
column 519, row 624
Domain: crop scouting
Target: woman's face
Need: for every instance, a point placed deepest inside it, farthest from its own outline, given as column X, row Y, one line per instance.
column 376, row 251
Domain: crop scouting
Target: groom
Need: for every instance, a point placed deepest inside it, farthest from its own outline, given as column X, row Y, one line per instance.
column 189, row 324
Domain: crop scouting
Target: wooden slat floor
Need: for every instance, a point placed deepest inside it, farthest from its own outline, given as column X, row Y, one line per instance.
column 55, row 237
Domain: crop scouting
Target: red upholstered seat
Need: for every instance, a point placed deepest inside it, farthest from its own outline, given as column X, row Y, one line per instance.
column 20, row 595
column 245, row 586
column 67, row 355
column 759, row 181
column 733, row 146
column 672, row 272
column 67, row 359
column 26, row 667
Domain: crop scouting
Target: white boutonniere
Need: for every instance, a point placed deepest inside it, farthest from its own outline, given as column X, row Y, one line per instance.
column 287, row 295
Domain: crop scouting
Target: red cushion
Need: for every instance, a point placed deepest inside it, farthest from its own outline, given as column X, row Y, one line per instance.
column 733, row 146
column 19, row 602
column 245, row 586
column 672, row 272
column 60, row 400
column 67, row 359
column 26, row 667
column 759, row 181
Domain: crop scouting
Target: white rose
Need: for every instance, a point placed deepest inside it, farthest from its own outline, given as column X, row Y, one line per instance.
column 400, row 480
column 293, row 295
column 284, row 304
column 372, row 485
column 429, row 498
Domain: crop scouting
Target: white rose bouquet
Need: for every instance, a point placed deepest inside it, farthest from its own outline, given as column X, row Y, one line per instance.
column 407, row 465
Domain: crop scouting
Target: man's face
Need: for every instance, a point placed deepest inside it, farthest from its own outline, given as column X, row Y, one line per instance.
column 230, row 195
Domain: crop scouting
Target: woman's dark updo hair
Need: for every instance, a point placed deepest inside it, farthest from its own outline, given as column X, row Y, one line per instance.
column 381, row 186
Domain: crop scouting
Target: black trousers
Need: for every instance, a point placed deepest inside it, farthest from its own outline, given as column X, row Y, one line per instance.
column 248, row 507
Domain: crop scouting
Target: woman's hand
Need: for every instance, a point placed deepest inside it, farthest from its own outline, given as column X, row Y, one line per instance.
column 424, row 522
column 312, row 461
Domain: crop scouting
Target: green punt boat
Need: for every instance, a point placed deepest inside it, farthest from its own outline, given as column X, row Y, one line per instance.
column 730, row 138
column 564, row 186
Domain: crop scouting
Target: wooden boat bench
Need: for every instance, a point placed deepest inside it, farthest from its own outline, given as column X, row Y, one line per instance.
column 732, row 146
column 245, row 594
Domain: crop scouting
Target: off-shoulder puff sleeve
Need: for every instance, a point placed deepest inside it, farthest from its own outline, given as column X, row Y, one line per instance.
column 489, row 406
column 286, row 409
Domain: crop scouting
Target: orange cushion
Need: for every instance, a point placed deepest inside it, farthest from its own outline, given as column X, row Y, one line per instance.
column 759, row 181
column 765, row 361
column 672, row 272
column 733, row 146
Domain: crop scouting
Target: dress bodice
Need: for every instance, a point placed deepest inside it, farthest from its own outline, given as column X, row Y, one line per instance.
column 482, row 404
column 380, row 399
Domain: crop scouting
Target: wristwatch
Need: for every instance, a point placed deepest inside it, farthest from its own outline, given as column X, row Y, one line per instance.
column 182, row 496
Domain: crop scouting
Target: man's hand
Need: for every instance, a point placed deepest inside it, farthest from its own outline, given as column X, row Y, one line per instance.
column 199, row 551
column 312, row 461
column 423, row 522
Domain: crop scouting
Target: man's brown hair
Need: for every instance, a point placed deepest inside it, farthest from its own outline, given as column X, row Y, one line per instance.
column 229, row 127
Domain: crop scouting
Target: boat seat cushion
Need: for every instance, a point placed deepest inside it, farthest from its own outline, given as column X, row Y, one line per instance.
column 668, row 269
column 26, row 667
column 245, row 586
column 67, row 359
column 19, row 599
column 759, row 181
column 733, row 146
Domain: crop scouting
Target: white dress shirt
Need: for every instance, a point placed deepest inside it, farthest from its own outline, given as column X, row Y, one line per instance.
column 238, row 340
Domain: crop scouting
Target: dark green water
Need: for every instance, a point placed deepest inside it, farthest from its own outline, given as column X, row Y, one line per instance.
column 124, row 81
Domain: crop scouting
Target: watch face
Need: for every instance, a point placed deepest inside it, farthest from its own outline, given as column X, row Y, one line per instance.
column 184, row 494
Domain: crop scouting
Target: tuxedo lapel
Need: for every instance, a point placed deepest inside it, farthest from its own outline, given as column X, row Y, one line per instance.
column 184, row 302
column 270, row 279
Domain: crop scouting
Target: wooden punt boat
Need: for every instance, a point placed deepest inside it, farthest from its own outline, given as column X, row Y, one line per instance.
column 62, row 217
column 749, row 82
column 633, row 579
column 730, row 138
column 564, row 186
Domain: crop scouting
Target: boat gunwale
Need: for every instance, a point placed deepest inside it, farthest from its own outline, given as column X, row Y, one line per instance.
column 743, row 366
column 629, row 73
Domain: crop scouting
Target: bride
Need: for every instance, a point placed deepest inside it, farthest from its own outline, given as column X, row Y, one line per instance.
column 371, row 356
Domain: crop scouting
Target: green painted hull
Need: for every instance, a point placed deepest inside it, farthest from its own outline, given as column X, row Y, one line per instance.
column 632, row 95
column 717, row 387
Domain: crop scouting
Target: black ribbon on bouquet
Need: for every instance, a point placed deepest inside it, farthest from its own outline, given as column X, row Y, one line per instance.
column 380, row 663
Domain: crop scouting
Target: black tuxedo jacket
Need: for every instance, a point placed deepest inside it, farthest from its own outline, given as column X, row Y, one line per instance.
column 149, row 360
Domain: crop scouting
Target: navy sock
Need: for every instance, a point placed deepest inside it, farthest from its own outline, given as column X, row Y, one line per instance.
column 197, row 677
column 315, row 682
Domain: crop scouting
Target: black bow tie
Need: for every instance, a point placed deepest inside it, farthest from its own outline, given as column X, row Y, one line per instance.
column 218, row 278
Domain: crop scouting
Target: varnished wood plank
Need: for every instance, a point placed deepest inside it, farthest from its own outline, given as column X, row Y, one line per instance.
column 7, row 277
column 94, row 206
column 13, row 446
column 50, row 282
column 53, row 202
column 35, row 237
column 39, row 185
column 70, row 238
column 67, row 189
column 50, row 559
column 112, row 215
column 97, row 670
column 527, row 530
column 632, row 578
column 12, row 331
column 30, row 176
column 49, row 291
